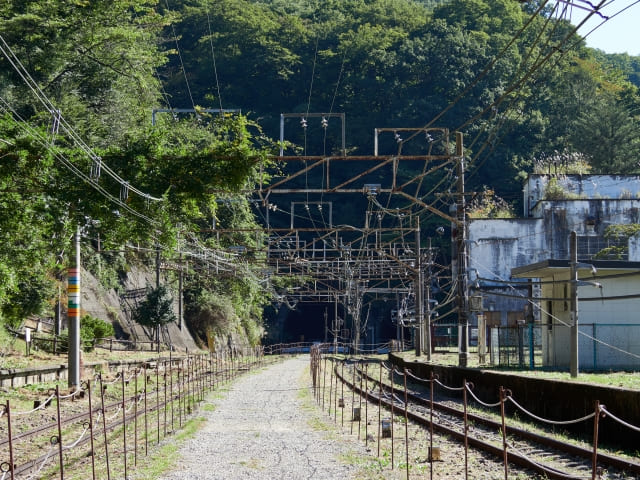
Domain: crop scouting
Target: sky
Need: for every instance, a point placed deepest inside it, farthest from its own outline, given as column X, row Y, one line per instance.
column 619, row 34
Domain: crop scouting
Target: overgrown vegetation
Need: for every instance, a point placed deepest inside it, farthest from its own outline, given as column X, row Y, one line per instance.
column 105, row 65
column 620, row 235
column 488, row 205
column 92, row 329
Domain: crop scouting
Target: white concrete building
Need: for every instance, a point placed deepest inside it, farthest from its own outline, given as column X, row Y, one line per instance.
column 553, row 207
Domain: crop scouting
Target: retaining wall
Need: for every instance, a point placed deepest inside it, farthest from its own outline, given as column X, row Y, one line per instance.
column 17, row 377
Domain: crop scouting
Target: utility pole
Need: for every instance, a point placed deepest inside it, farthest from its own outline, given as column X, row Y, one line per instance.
column 573, row 286
column 180, row 282
column 419, row 302
column 427, row 345
column 461, row 241
column 73, row 313
column 157, row 287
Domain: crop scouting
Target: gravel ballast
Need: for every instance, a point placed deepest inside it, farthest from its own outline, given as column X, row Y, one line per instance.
column 262, row 428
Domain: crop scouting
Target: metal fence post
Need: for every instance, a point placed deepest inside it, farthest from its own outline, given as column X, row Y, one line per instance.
column 596, row 423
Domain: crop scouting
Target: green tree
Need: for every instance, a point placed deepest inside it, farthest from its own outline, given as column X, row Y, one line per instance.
column 156, row 310
column 609, row 133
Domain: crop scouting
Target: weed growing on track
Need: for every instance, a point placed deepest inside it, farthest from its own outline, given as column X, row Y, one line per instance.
column 167, row 456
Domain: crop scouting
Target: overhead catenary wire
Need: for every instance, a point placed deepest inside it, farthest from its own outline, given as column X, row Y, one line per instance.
column 213, row 57
column 5, row 107
column 15, row 62
column 182, row 67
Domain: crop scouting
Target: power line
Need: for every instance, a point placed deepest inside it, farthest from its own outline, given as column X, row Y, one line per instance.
column 61, row 121
column 184, row 71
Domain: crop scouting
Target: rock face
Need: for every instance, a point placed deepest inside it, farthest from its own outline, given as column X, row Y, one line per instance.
column 111, row 306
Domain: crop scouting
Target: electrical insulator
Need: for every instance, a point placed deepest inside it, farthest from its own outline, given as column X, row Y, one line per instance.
column 303, row 123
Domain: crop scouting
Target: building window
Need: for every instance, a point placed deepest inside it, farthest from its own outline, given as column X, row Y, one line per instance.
column 590, row 245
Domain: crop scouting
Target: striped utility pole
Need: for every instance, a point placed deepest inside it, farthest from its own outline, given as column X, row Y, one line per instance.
column 73, row 315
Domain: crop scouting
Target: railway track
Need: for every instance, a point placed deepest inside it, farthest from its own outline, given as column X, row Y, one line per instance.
column 542, row 453
column 108, row 422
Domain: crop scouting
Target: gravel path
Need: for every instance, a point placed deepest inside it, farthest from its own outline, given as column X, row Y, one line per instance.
column 261, row 429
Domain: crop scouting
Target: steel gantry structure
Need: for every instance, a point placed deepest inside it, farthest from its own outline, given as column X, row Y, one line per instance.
column 329, row 261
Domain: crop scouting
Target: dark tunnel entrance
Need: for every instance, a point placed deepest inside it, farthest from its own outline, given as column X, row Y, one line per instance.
column 316, row 322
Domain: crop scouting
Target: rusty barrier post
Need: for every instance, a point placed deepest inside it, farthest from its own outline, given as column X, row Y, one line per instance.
column 146, row 421
column 59, row 433
column 379, row 407
column 135, row 418
column 392, row 418
column 366, row 404
column 187, row 388
column 334, row 370
column 196, row 380
column 124, row 427
column 505, row 457
column 206, row 375
column 331, row 387
column 431, row 382
column 342, row 394
column 158, row 398
column 466, row 428
column 93, row 452
column 104, row 426
column 596, row 426
column 200, row 370
column 173, row 428
column 353, row 396
column 179, row 380
column 164, row 375
column 214, row 370
column 360, row 401
column 211, row 370
column 192, row 383
column 219, row 370
column 324, row 379
column 406, row 422
column 7, row 410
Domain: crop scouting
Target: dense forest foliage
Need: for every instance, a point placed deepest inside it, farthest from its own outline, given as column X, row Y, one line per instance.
column 79, row 80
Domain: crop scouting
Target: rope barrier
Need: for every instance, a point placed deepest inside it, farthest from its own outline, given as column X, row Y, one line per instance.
column 453, row 389
column 72, row 394
column 74, row 444
column 44, row 461
column 420, row 379
column 488, row 405
column 39, row 407
column 115, row 414
column 620, row 421
column 545, row 420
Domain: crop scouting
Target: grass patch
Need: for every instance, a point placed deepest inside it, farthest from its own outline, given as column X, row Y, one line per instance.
column 628, row 380
column 166, row 457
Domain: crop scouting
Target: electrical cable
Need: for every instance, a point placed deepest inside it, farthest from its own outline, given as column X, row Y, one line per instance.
column 213, row 56
column 184, row 71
